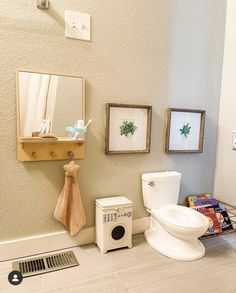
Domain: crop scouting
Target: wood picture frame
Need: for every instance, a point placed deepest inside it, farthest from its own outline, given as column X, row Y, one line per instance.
column 128, row 128
column 184, row 131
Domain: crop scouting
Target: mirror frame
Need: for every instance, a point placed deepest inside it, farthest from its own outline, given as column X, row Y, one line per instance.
column 29, row 150
column 44, row 72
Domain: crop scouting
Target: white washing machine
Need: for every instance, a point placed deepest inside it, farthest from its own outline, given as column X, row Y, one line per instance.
column 113, row 223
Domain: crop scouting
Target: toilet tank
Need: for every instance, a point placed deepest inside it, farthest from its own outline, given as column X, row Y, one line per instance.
column 160, row 188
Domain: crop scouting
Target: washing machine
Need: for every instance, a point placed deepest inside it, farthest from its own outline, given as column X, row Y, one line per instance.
column 113, row 223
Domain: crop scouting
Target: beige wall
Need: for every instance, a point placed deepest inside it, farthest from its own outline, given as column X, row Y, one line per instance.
column 157, row 52
column 225, row 176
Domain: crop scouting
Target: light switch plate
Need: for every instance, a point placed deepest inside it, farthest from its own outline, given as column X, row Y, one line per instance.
column 77, row 25
column 234, row 140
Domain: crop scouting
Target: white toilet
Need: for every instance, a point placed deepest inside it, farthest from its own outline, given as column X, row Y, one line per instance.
column 174, row 229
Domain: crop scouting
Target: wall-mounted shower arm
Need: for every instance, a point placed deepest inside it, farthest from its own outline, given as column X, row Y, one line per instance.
column 42, row 4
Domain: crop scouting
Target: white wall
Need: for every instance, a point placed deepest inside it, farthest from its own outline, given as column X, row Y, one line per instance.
column 225, row 175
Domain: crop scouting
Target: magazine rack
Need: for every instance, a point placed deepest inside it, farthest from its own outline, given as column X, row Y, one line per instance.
column 231, row 210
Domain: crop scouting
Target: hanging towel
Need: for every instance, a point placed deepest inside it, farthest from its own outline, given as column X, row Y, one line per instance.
column 69, row 209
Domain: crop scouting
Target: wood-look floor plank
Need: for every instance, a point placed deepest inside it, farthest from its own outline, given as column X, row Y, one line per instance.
column 140, row 269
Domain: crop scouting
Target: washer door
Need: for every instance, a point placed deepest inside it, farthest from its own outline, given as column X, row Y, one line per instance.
column 118, row 232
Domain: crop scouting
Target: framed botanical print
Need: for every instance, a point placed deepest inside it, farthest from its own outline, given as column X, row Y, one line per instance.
column 128, row 128
column 185, row 130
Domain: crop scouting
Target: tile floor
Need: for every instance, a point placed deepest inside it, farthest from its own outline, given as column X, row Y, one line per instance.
column 137, row 270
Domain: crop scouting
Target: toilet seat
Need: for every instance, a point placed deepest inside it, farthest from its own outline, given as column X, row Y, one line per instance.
column 180, row 216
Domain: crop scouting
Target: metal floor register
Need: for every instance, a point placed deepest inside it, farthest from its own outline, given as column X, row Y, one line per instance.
column 45, row 264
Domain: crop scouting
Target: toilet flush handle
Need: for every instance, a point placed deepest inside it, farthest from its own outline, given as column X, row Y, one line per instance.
column 151, row 183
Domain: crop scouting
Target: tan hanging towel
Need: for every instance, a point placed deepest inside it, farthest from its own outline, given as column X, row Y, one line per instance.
column 69, row 209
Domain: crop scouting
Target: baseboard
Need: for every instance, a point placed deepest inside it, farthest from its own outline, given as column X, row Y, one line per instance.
column 55, row 241
column 140, row 225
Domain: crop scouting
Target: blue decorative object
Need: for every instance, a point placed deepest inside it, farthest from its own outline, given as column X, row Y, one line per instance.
column 79, row 130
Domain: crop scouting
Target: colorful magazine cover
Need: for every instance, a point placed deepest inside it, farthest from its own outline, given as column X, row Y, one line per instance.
column 192, row 198
column 206, row 201
column 223, row 217
column 214, row 226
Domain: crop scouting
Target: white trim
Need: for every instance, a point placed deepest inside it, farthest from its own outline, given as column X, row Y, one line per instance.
column 23, row 247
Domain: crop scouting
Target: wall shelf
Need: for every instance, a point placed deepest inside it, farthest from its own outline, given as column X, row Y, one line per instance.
column 46, row 140
column 33, row 149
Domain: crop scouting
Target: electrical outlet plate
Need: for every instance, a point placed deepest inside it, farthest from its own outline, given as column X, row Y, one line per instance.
column 77, row 25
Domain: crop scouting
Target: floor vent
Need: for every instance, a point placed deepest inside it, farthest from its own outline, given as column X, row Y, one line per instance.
column 45, row 264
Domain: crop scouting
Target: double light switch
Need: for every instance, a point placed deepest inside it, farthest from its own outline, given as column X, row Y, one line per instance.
column 77, row 25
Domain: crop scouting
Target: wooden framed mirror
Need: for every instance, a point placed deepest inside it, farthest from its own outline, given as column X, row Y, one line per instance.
column 47, row 103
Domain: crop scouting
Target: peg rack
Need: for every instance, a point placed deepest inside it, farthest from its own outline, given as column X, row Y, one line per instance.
column 49, row 150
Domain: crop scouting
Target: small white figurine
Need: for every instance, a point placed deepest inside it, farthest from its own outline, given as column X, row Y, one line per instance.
column 45, row 126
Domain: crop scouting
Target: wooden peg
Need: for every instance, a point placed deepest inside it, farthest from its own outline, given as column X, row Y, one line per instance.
column 71, row 155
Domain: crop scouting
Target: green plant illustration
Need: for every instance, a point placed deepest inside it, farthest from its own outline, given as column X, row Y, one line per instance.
column 127, row 128
column 185, row 130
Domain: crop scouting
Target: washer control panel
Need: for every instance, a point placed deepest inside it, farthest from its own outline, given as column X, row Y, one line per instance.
column 113, row 217
column 110, row 218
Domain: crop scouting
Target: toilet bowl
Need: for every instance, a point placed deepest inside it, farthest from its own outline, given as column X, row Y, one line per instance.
column 174, row 230
column 181, row 222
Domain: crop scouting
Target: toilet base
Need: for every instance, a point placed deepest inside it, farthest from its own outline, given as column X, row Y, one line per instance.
column 173, row 247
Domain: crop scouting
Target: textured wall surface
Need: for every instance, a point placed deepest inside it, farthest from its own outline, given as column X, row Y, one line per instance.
column 157, row 52
column 225, row 183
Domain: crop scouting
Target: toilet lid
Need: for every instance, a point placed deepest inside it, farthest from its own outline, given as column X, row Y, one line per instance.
column 180, row 216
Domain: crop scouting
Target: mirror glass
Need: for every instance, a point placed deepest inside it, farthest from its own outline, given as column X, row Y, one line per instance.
column 49, row 103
